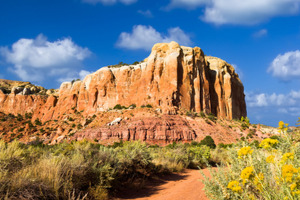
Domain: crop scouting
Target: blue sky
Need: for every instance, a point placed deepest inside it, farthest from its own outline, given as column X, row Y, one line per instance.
column 47, row 42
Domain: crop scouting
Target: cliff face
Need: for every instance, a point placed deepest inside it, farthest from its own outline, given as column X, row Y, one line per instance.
column 173, row 77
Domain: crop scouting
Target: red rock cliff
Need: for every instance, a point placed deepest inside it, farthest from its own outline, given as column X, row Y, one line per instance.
column 173, row 77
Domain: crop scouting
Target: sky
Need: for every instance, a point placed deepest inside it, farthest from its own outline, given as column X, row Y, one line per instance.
column 50, row 41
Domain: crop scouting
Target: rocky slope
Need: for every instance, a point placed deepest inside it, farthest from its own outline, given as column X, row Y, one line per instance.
column 145, row 124
column 173, row 79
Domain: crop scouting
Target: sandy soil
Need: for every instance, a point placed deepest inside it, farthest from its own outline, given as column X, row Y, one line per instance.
column 186, row 185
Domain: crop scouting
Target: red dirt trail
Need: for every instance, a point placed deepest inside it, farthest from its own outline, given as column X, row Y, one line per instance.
column 186, row 185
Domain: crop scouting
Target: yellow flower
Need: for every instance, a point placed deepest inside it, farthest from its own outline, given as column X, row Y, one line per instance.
column 287, row 156
column 288, row 172
column 234, row 186
column 296, row 193
column 280, row 124
column 270, row 159
column 283, row 126
column 268, row 143
column 258, row 181
column 247, row 174
column 245, row 151
column 293, row 186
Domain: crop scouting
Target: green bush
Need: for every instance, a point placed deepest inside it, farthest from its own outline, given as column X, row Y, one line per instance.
column 211, row 117
column 199, row 156
column 146, row 106
column 133, row 105
column 19, row 117
column 208, row 141
column 28, row 115
column 119, row 107
column 37, row 122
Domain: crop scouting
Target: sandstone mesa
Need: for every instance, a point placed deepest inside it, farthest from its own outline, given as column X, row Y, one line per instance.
column 172, row 79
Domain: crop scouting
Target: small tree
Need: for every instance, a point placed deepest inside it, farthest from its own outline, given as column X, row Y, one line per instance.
column 208, row 141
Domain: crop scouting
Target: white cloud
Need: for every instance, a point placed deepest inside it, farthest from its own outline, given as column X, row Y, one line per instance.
column 39, row 60
column 127, row 2
column 286, row 66
column 189, row 4
column 241, row 12
column 144, row 37
column 74, row 75
column 281, row 103
column 260, row 33
column 146, row 13
column 267, row 100
column 109, row 2
column 83, row 74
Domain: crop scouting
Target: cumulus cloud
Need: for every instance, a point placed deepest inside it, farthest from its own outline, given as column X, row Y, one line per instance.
column 287, row 66
column 189, row 4
column 267, row 100
column 246, row 12
column 74, row 75
column 283, row 103
column 83, row 74
column 270, row 104
column 146, row 13
column 40, row 60
column 144, row 37
column 260, row 33
column 109, row 2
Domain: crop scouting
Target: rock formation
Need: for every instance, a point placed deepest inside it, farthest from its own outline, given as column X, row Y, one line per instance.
column 172, row 78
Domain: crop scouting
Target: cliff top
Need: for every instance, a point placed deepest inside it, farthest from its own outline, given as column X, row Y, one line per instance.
column 20, row 87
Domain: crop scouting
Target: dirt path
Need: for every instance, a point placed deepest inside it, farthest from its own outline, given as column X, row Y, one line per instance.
column 186, row 185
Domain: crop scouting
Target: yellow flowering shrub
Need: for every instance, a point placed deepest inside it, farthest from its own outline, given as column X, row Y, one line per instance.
column 270, row 159
column 247, row 174
column 287, row 156
column 268, row 143
column 269, row 171
column 234, row 186
column 288, row 171
column 258, row 181
column 244, row 151
column 282, row 126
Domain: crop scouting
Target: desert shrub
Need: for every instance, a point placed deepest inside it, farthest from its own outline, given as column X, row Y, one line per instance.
column 37, row 122
column 208, row 141
column 11, row 116
column 79, row 126
column 267, row 171
column 119, row 107
column 199, row 156
column 19, row 117
column 85, row 169
column 70, row 119
column 219, row 156
column 222, row 145
column 170, row 159
column 133, row 106
column 251, row 133
column 146, row 106
column 191, row 114
column 28, row 115
column 211, row 117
